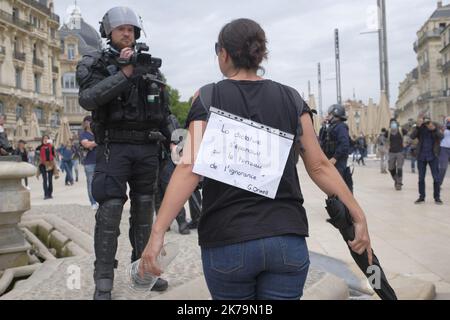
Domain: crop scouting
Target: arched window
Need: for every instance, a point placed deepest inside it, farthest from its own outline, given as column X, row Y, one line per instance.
column 71, row 53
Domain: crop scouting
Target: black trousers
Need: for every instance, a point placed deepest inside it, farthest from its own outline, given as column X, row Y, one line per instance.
column 47, row 181
column 117, row 167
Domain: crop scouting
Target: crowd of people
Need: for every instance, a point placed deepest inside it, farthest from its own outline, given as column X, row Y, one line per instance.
column 425, row 143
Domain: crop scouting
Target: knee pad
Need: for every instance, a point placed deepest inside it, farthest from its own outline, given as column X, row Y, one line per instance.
column 110, row 212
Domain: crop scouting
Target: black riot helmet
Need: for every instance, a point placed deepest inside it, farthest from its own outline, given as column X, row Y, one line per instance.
column 338, row 111
column 119, row 16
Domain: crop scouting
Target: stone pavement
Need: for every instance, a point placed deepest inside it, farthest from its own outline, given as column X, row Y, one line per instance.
column 411, row 241
column 408, row 239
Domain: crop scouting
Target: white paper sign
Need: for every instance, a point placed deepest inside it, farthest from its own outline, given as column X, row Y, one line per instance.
column 243, row 153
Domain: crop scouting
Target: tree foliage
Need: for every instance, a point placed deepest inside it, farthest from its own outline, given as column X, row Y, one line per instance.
column 179, row 108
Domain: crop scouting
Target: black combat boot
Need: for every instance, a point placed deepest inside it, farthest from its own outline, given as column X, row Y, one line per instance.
column 141, row 220
column 105, row 244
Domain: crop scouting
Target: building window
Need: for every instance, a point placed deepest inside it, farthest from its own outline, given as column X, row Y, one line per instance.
column 15, row 13
column 54, row 120
column 2, row 108
column 39, row 114
column 34, row 51
column 71, row 105
column 37, row 83
column 18, row 78
column 69, row 81
column 20, row 113
column 71, row 52
column 36, row 22
column 54, row 87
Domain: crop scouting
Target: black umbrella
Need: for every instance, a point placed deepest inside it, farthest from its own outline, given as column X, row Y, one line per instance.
column 342, row 220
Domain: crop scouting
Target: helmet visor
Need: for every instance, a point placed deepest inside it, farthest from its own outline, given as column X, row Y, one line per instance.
column 119, row 16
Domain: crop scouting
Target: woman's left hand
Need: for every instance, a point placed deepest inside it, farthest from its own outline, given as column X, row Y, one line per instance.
column 149, row 256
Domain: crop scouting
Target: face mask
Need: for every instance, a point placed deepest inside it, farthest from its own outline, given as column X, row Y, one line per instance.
column 394, row 126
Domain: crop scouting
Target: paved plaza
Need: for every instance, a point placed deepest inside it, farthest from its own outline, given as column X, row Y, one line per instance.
column 409, row 240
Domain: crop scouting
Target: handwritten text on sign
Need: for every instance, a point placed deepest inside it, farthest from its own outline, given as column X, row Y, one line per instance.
column 243, row 153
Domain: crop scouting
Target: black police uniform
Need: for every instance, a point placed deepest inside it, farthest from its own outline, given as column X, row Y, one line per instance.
column 335, row 143
column 130, row 118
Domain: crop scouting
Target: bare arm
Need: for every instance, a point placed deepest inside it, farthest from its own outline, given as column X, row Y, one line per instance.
column 181, row 186
column 183, row 182
column 328, row 179
column 88, row 144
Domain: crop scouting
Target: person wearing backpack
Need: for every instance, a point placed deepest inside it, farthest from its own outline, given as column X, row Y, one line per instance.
column 253, row 247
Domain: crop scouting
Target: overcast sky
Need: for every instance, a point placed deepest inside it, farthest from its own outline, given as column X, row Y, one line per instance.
column 300, row 34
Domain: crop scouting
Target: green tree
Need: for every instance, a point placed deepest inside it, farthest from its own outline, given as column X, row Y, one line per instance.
column 179, row 108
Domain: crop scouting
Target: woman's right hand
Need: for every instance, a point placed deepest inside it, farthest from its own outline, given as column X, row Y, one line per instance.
column 362, row 243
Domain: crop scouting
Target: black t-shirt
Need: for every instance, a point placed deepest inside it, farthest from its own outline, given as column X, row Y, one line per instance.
column 396, row 141
column 232, row 215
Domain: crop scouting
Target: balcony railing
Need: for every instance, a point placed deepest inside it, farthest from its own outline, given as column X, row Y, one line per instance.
column 431, row 95
column 55, row 69
column 54, row 17
column 38, row 62
column 38, row 6
column 436, row 33
column 14, row 20
column 19, row 55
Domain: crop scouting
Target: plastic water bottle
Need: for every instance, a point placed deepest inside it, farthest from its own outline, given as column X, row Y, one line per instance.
column 146, row 283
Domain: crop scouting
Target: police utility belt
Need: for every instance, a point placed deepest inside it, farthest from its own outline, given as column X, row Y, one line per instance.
column 133, row 136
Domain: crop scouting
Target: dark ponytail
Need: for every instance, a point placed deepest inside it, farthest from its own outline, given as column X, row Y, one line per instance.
column 246, row 43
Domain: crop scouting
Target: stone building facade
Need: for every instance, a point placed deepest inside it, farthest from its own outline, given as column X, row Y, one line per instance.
column 29, row 64
column 425, row 90
column 77, row 38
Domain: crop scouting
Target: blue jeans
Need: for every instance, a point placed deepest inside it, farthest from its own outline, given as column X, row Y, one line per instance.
column 75, row 164
column 89, row 169
column 443, row 163
column 266, row 269
column 67, row 165
column 434, row 165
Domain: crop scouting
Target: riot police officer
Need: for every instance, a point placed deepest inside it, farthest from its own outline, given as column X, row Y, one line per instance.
column 130, row 113
column 335, row 141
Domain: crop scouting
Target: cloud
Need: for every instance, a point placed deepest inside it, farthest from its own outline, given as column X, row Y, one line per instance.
column 300, row 35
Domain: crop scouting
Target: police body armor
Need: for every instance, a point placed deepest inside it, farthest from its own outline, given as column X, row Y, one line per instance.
column 328, row 140
column 124, row 110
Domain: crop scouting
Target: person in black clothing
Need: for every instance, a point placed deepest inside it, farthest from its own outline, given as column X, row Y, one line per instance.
column 361, row 145
column 167, row 167
column 21, row 151
column 5, row 147
column 428, row 151
column 253, row 247
column 47, row 155
column 123, row 88
column 335, row 142
column 395, row 137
